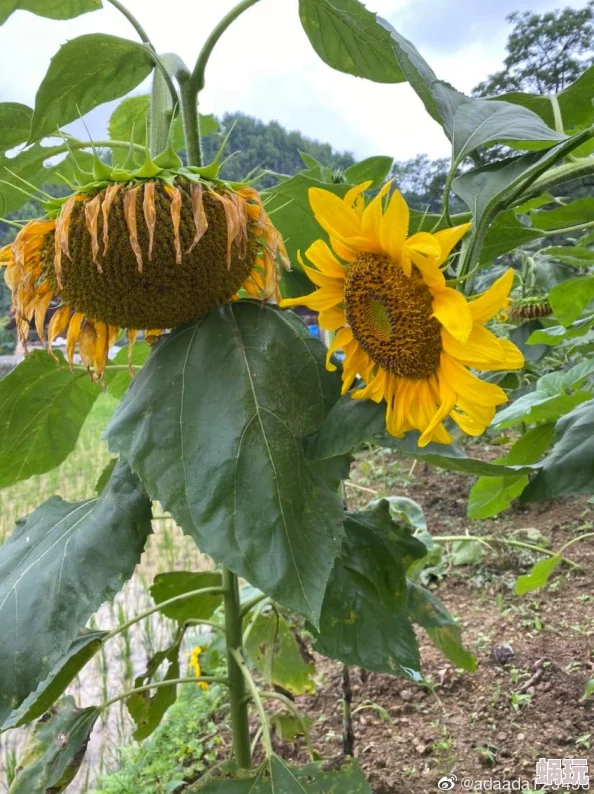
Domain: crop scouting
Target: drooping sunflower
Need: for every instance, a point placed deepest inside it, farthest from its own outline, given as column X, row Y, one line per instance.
column 137, row 253
column 404, row 332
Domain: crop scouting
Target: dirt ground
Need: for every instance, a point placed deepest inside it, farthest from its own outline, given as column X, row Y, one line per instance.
column 523, row 702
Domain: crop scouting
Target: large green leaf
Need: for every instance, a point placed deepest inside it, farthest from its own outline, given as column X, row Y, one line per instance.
column 175, row 583
column 569, row 467
column 84, row 647
column 84, row 73
column 55, row 750
column 569, row 299
column 539, row 575
column 58, row 566
column 42, row 410
column 575, row 103
column 538, row 406
column 576, row 212
column 279, row 658
column 288, row 206
column 576, row 256
column 374, row 168
column 349, row 38
column 214, row 425
column 365, row 617
column 15, row 123
column 352, row 422
column 54, row 9
column 475, row 123
column 275, row 777
column 428, row 612
column 556, row 334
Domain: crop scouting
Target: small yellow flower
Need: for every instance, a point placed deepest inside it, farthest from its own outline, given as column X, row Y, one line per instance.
column 404, row 332
column 194, row 664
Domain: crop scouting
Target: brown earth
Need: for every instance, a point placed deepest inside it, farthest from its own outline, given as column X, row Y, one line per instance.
column 496, row 722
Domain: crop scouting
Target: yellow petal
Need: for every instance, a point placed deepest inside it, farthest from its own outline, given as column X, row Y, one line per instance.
column 176, row 203
column 375, row 389
column 332, row 213
column 108, row 200
column 130, row 216
column 394, row 226
column 470, row 387
column 341, row 338
column 199, row 213
column 354, row 193
column 343, row 250
column 41, row 308
column 150, row 214
column 452, row 311
column 61, row 240
column 322, row 257
column 435, row 431
column 448, row 238
column 101, row 350
column 372, row 216
column 318, row 301
column 490, row 302
column 58, row 323
column 92, row 209
column 331, row 319
column 86, row 344
column 320, row 280
column 73, row 333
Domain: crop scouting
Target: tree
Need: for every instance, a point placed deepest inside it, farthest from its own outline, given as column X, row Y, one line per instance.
column 546, row 52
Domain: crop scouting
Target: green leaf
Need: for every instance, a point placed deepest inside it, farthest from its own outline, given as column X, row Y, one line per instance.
column 554, row 335
column 84, row 647
column 577, row 256
column 279, row 658
column 428, row 612
column 406, row 511
column 521, row 336
column 484, row 189
column 572, row 214
column 15, row 123
column 364, row 618
column 575, row 377
column 53, row 9
column 58, row 566
column 539, row 575
column 466, row 552
column 239, row 428
column 538, row 406
column 288, row 206
column 374, row 168
column 55, row 750
column 287, row 727
column 30, row 164
column 475, row 123
column 504, row 234
column 350, row 39
column 489, row 496
column 86, row 72
column 148, row 710
column 44, row 407
column 352, row 422
column 105, row 476
column 569, row 299
column 588, row 690
column 275, row 777
column 172, row 584
column 569, row 467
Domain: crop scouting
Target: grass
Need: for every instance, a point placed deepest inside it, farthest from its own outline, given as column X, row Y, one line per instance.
column 115, row 667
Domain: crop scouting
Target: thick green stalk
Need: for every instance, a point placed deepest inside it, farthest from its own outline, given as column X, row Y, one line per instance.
column 237, row 691
column 161, row 115
column 190, row 118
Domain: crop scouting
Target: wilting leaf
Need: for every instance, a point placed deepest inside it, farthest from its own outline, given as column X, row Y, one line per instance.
column 44, row 407
column 175, row 583
column 84, row 73
column 278, row 656
column 214, row 424
column 364, row 617
column 58, row 566
column 55, row 750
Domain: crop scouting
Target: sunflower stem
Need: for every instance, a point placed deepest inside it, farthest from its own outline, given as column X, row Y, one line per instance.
column 190, row 117
column 153, row 52
column 237, row 681
column 197, row 79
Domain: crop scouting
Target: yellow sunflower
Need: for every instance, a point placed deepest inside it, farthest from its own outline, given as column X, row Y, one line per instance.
column 144, row 255
column 409, row 336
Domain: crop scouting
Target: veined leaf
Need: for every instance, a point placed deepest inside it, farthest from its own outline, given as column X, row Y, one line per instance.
column 233, row 472
column 58, row 566
column 364, row 617
column 84, row 73
column 569, row 299
column 175, row 583
column 504, row 234
column 572, row 214
column 349, row 38
column 55, row 750
column 374, row 168
column 577, row 256
column 15, row 123
column 44, row 407
column 53, row 9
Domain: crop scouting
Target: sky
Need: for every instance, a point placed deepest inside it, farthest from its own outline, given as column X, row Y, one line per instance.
column 265, row 66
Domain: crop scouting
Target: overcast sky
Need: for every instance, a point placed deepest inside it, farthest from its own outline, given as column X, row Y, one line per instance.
column 265, row 66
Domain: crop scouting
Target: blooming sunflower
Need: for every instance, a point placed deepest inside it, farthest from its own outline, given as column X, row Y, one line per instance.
column 139, row 253
column 409, row 336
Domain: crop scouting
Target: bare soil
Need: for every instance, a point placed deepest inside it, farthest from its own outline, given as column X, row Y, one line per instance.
column 496, row 722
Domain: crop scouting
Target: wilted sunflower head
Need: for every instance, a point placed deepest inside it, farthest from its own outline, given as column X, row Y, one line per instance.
column 148, row 254
column 403, row 331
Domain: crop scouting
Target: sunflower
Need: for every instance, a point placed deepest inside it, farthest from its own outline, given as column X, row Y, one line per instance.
column 409, row 336
column 143, row 254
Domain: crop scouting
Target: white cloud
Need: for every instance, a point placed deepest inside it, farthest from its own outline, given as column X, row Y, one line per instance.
column 264, row 66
